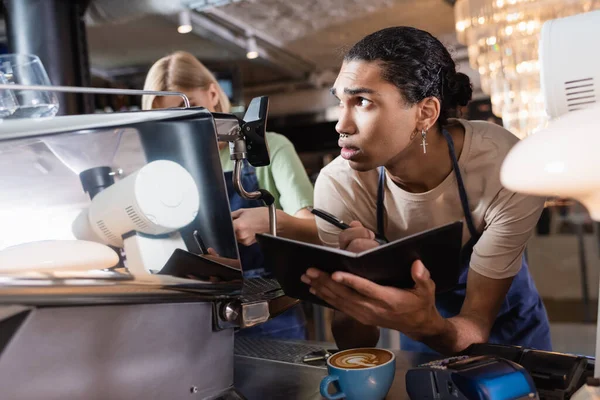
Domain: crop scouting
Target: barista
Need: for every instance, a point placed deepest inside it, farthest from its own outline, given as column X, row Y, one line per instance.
column 406, row 167
column 285, row 178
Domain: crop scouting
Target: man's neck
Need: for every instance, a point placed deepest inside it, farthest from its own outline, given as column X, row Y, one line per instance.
column 418, row 172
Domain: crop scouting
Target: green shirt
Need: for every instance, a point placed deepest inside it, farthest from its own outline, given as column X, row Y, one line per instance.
column 285, row 178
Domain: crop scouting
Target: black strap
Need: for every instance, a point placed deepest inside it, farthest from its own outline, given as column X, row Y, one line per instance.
column 380, row 202
column 462, row 192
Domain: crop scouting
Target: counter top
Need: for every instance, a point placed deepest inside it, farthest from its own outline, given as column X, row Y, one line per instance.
column 260, row 379
column 60, row 290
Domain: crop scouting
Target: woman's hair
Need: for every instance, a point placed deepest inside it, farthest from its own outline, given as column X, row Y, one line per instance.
column 184, row 71
column 417, row 64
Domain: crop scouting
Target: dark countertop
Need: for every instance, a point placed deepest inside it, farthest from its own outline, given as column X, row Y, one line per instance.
column 76, row 289
column 265, row 379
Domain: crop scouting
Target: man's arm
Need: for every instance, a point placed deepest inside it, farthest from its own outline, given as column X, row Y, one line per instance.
column 496, row 259
column 364, row 305
column 473, row 325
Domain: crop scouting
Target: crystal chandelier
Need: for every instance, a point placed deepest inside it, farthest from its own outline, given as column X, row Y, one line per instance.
column 502, row 38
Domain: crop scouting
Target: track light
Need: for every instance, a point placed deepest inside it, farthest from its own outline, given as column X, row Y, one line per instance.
column 185, row 22
column 251, row 48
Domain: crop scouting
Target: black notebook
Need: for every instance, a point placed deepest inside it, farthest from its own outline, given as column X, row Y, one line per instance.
column 387, row 265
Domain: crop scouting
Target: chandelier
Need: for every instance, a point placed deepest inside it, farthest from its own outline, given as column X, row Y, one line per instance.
column 502, row 38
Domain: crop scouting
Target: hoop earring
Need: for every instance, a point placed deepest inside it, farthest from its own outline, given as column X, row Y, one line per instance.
column 424, row 140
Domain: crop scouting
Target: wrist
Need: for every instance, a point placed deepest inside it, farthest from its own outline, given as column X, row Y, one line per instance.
column 434, row 329
column 282, row 222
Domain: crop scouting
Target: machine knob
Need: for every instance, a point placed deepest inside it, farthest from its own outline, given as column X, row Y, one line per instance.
column 230, row 312
column 243, row 315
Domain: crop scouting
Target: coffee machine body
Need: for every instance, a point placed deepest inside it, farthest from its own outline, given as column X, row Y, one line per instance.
column 99, row 334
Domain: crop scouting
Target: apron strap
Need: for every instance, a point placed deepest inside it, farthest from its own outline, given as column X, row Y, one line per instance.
column 462, row 192
column 380, row 202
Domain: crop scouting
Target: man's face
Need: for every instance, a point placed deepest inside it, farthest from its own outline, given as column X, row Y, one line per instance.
column 373, row 114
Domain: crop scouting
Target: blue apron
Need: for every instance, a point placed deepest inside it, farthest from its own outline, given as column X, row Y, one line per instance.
column 291, row 324
column 522, row 319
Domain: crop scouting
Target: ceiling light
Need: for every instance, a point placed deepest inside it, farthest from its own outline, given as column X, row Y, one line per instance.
column 185, row 22
column 251, row 48
column 201, row 5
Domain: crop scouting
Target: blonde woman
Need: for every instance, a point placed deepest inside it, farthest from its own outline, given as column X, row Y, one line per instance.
column 285, row 177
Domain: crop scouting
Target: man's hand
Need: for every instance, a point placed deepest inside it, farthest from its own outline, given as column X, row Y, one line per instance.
column 412, row 311
column 357, row 238
column 247, row 222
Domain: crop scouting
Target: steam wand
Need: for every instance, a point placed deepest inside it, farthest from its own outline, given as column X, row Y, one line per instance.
column 238, row 153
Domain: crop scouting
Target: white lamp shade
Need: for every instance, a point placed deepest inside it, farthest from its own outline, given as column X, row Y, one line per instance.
column 569, row 73
column 561, row 160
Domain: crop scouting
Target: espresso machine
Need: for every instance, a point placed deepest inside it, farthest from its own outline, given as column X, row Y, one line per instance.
column 149, row 185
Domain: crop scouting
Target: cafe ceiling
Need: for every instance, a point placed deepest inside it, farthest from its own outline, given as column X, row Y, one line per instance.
column 300, row 42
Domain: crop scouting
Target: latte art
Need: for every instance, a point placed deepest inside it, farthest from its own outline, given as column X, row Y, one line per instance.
column 357, row 360
column 360, row 358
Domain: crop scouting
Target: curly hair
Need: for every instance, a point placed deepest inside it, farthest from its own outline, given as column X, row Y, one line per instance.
column 418, row 64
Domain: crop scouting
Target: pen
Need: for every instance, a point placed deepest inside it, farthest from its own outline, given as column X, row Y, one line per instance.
column 332, row 219
column 200, row 243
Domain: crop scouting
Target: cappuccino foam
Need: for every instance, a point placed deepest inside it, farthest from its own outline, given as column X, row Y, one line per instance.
column 360, row 358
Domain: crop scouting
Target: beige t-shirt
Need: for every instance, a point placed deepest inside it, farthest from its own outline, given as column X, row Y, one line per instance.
column 505, row 219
